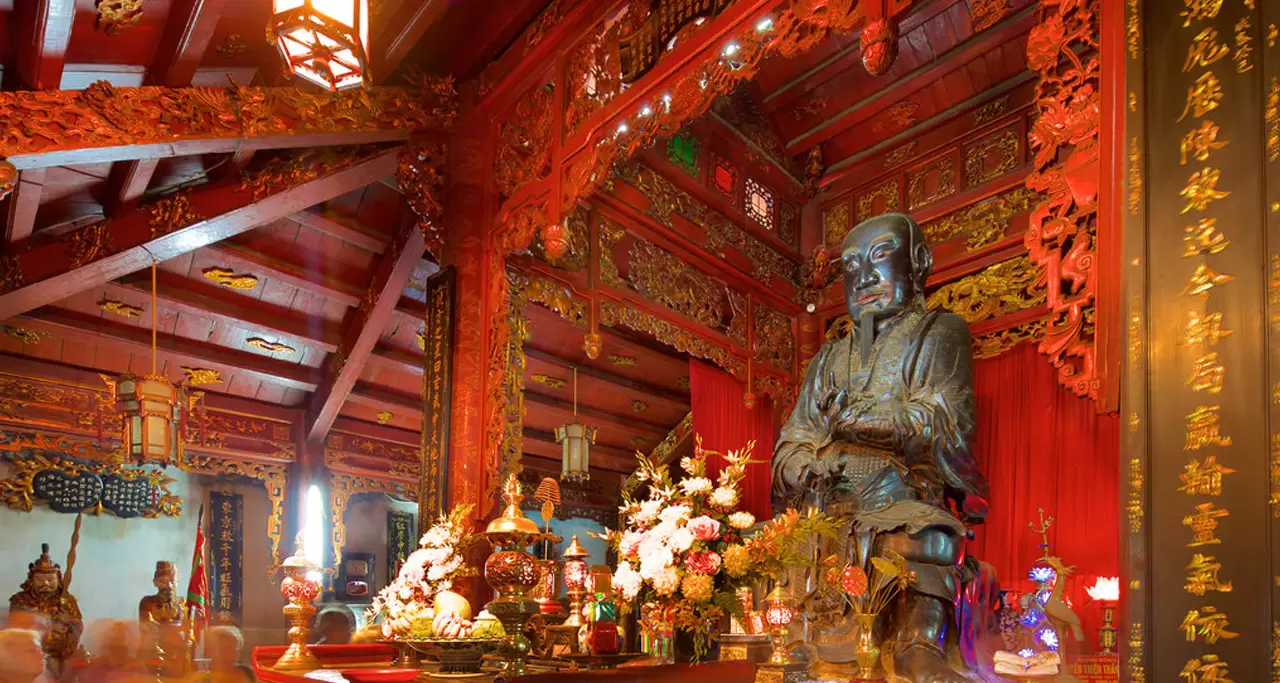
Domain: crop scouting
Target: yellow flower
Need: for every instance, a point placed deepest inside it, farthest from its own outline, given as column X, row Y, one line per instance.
column 696, row 587
column 737, row 560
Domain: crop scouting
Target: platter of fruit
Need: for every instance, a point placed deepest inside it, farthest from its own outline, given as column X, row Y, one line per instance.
column 447, row 633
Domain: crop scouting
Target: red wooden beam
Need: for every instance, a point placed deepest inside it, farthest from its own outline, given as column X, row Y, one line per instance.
column 345, row 229
column 629, row 386
column 365, row 327
column 186, row 37
column 44, row 31
column 628, row 423
column 94, row 329
column 953, row 60
column 126, row 184
column 383, row 399
column 96, row 254
column 543, row 445
column 213, row 301
column 24, row 203
column 404, row 31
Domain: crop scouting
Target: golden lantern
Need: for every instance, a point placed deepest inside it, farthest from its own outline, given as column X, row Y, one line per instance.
column 779, row 610
column 323, row 41
column 575, row 439
column 151, row 407
column 576, row 575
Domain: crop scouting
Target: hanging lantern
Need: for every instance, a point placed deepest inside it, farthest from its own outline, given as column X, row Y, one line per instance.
column 576, row 439
column 151, row 408
column 324, row 41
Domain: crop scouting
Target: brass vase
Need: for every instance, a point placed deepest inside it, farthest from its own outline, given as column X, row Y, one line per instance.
column 300, row 590
column 866, row 653
column 513, row 573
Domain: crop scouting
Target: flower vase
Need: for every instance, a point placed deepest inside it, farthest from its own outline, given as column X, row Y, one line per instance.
column 660, row 643
column 866, row 653
column 683, row 644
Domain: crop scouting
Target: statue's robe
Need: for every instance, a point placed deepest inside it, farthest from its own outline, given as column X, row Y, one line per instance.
column 901, row 420
column 160, row 610
column 63, row 637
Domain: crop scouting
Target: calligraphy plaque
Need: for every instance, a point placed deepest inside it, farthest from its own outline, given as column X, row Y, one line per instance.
column 400, row 541
column 1198, row 238
column 226, row 571
column 437, row 384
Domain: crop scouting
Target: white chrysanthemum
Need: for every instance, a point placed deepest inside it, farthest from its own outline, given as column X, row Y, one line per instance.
column 675, row 513
column 435, row 536
column 648, row 511
column 627, row 581
column 655, row 562
column 680, row 540
column 629, row 546
column 741, row 520
column 666, row 582
column 724, row 497
column 693, row 486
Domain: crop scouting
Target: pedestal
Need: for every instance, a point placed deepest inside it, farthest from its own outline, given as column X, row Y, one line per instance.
column 794, row 672
column 750, row 647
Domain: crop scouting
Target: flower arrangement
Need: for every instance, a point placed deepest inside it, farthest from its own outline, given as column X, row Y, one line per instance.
column 870, row 587
column 406, row 603
column 682, row 552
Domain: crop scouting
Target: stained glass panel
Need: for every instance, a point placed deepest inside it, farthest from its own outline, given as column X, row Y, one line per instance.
column 724, row 177
column 682, row 150
column 759, row 204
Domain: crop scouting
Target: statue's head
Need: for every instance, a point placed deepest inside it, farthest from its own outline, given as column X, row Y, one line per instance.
column 44, row 576
column 166, row 577
column 886, row 262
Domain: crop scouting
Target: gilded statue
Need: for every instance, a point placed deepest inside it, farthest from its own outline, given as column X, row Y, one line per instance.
column 880, row 433
column 164, row 607
column 45, row 594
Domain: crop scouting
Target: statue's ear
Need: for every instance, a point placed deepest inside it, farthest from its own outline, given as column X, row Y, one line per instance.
column 922, row 262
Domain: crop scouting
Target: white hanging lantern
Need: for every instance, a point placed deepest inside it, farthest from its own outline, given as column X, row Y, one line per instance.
column 324, row 41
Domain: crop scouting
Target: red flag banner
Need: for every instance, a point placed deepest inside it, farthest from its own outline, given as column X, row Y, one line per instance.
column 198, row 586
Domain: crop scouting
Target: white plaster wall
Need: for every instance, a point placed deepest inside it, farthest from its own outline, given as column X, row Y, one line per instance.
column 116, row 557
column 366, row 522
column 566, row 528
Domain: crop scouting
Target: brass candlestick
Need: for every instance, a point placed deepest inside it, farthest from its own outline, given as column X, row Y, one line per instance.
column 575, row 579
column 300, row 590
column 513, row 573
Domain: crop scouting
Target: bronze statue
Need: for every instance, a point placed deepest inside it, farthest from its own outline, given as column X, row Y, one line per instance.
column 164, row 607
column 45, row 594
column 882, row 425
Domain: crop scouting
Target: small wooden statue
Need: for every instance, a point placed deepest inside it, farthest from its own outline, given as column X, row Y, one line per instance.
column 45, row 593
column 164, row 607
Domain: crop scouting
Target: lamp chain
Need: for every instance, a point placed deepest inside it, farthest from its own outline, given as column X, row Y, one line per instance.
column 154, row 317
column 575, row 393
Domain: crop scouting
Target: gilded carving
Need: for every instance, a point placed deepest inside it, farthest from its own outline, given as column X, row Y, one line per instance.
column 11, row 275
column 622, row 315
column 549, row 381
column 104, row 116
column 883, row 198
column 524, row 141
column 811, row 107
column 512, row 444
column 774, row 341
column 638, row 406
column 88, row 244
column 941, row 171
column 622, row 361
column 1135, row 176
column 18, row 489
column 991, row 111
column 199, row 376
column 420, row 170
column 557, row 298
column 341, row 487
column 991, row 157
column 270, row 346
column 120, row 308
column 987, row 13
column 172, row 213
column 592, row 72
column 114, row 16
column 383, row 417
column 610, row 233
column 578, row 241
column 783, row 391
column 662, row 453
column 666, row 200
column 985, row 222
column 900, row 155
column 661, row 276
column 996, row 343
column 1000, row 289
column 896, row 119
column 24, row 335
column 1134, row 507
column 835, row 224
column 281, row 173
column 228, row 278
column 1271, row 114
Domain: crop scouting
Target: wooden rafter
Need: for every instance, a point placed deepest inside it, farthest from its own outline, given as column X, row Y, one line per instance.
column 212, row 301
column 935, row 71
column 93, row 329
column 96, row 254
column 186, row 36
column 629, row 386
column 364, row 328
column 305, row 277
column 404, row 32
column 383, row 399
column 628, row 423
column 345, row 229
column 44, row 31
column 126, row 184
column 543, row 445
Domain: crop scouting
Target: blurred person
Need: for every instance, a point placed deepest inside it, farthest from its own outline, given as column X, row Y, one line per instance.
column 114, row 660
column 223, row 645
column 22, row 656
column 335, row 625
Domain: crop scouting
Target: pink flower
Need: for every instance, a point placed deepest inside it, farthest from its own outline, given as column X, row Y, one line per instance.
column 704, row 562
column 704, row 528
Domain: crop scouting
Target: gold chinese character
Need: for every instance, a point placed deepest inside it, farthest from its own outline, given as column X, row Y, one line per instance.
column 1206, row 623
column 1204, row 525
column 1204, row 50
column 1203, row 478
column 1203, row 429
column 1200, row 141
column 1205, row 279
column 1202, row 576
column 1207, row 374
column 1202, row 188
column 1199, row 9
column 1243, row 47
column 1203, row 238
column 1206, row 669
column 1203, row 97
column 1204, row 329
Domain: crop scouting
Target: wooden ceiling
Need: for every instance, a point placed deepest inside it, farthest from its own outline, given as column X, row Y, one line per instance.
column 273, row 341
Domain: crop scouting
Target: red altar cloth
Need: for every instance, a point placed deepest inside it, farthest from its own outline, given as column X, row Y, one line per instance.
column 331, row 656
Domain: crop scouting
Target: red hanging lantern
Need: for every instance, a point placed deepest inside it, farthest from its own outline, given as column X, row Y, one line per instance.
column 324, row 41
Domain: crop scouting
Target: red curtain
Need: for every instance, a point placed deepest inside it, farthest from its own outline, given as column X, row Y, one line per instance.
column 1043, row 447
column 726, row 425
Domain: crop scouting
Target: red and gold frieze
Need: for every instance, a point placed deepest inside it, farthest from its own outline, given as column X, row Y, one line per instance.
column 375, row 457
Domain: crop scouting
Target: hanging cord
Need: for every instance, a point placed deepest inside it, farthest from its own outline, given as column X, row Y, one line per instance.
column 154, row 317
column 575, row 393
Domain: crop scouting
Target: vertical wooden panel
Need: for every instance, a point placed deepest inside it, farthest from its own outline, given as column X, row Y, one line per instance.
column 437, row 385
